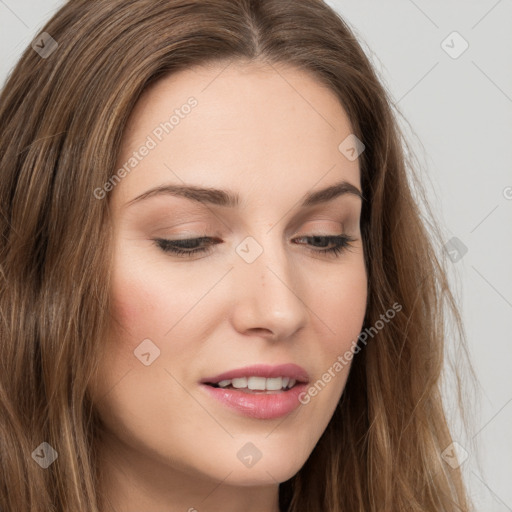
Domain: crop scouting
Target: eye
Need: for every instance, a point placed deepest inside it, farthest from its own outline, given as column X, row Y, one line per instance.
column 339, row 243
column 190, row 246
column 186, row 246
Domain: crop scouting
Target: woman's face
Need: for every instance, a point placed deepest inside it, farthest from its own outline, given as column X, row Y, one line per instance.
column 263, row 292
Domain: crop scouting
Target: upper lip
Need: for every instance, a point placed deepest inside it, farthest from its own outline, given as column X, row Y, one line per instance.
column 293, row 371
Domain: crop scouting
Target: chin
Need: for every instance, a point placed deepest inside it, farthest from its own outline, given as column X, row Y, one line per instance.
column 270, row 474
column 276, row 465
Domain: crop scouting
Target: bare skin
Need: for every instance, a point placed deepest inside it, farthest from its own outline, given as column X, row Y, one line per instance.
column 169, row 446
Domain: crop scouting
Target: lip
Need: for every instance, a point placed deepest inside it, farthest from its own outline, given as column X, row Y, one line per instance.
column 260, row 405
column 293, row 371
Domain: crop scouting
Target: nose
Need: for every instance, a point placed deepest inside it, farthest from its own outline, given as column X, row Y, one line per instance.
column 269, row 295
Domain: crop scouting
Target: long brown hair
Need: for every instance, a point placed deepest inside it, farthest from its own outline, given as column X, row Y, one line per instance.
column 61, row 123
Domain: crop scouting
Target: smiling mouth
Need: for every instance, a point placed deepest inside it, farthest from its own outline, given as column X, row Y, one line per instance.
column 259, row 396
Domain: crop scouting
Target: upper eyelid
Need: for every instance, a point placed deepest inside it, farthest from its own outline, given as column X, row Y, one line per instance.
column 210, row 229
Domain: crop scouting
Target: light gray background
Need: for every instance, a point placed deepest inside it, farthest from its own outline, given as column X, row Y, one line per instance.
column 460, row 112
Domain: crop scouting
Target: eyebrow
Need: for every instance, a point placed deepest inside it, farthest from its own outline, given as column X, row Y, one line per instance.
column 230, row 199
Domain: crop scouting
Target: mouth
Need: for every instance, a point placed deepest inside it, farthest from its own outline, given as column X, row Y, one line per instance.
column 261, row 391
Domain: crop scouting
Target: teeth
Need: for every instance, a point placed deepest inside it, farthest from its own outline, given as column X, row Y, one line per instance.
column 239, row 383
column 271, row 384
column 259, row 383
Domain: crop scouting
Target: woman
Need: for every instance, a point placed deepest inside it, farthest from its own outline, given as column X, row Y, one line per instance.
column 217, row 289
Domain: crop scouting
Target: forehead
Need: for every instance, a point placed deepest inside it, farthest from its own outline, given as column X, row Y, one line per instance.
column 262, row 127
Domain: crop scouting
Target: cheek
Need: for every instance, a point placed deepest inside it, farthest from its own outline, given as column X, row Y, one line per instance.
column 143, row 306
column 338, row 303
column 342, row 302
column 133, row 318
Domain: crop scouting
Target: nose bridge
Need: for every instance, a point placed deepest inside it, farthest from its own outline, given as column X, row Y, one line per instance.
column 266, row 294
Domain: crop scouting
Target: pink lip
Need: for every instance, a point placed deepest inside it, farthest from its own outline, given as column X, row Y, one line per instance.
column 292, row 371
column 260, row 405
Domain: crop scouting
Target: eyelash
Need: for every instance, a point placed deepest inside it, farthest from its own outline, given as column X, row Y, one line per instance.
column 342, row 242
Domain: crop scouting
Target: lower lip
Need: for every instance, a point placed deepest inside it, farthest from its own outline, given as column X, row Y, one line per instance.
column 263, row 406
